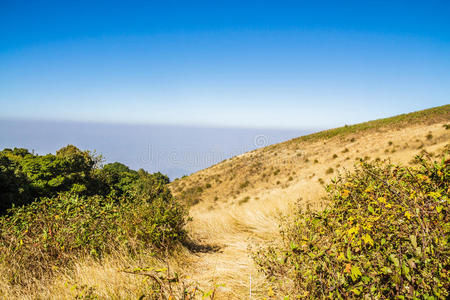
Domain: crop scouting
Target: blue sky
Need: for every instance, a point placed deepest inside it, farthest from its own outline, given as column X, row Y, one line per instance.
column 273, row 64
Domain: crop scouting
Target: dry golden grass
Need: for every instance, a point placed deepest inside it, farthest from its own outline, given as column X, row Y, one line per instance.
column 271, row 180
column 242, row 207
column 109, row 278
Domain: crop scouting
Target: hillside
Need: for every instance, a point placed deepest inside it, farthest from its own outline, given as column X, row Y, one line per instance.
column 236, row 204
column 88, row 230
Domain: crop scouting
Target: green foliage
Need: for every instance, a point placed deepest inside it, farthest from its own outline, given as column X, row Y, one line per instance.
column 14, row 188
column 26, row 176
column 384, row 234
column 191, row 196
column 51, row 233
column 65, row 205
column 117, row 180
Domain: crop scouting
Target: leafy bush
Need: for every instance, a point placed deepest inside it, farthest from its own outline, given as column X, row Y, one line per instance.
column 58, row 207
column 53, row 232
column 384, row 234
column 26, row 176
column 14, row 188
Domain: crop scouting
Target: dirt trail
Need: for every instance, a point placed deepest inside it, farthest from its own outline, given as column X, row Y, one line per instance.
column 250, row 216
column 229, row 267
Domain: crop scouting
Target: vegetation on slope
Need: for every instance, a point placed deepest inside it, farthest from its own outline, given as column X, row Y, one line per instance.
column 25, row 177
column 278, row 166
column 67, row 206
column 70, row 210
column 384, row 234
column 427, row 116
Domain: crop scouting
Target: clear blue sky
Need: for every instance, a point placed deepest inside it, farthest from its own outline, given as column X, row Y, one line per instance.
column 280, row 64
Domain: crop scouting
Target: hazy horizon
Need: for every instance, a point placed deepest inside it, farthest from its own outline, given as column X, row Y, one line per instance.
column 204, row 76
column 172, row 150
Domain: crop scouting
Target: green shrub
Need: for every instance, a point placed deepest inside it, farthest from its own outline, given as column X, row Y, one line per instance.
column 244, row 200
column 40, row 237
column 191, row 196
column 244, row 184
column 25, row 177
column 329, row 171
column 384, row 235
column 35, row 176
column 14, row 187
column 58, row 207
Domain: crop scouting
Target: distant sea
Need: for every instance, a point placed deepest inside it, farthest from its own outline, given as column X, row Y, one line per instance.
column 172, row 150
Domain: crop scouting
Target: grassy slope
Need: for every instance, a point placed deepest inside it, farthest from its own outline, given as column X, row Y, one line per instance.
column 240, row 199
column 266, row 166
column 427, row 116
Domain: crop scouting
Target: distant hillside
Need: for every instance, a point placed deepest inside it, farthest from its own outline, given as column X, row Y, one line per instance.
column 285, row 169
column 236, row 205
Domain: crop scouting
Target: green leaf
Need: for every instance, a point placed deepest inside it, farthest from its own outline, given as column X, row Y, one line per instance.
column 355, row 273
column 294, row 246
column 394, row 259
column 349, row 254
